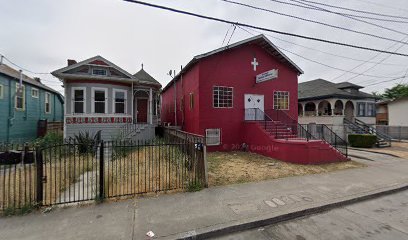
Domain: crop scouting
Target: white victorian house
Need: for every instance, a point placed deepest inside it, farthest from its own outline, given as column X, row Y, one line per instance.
column 102, row 96
column 333, row 104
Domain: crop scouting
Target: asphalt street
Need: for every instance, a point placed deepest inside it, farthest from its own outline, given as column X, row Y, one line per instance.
column 381, row 218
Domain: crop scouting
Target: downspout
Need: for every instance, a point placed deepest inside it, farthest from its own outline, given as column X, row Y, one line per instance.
column 182, row 97
column 10, row 113
column 175, row 100
column 132, row 104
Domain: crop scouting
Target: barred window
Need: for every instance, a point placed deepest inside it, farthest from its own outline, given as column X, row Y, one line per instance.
column 281, row 100
column 222, row 97
column 213, row 136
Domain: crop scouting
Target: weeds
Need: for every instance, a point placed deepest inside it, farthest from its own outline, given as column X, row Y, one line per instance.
column 194, row 187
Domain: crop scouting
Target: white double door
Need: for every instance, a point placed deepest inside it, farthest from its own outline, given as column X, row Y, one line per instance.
column 254, row 106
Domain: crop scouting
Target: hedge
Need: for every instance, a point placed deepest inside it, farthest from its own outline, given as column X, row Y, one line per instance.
column 362, row 140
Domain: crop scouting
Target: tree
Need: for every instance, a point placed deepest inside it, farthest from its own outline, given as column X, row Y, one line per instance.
column 398, row 91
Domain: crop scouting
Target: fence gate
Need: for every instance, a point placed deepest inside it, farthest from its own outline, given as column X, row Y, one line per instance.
column 67, row 173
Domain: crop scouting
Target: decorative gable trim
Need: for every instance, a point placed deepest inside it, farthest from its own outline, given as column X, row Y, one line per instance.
column 94, row 61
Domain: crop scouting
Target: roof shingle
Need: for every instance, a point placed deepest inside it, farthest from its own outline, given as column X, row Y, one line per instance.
column 320, row 89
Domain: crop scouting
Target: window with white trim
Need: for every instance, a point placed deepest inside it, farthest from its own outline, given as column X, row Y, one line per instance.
column 213, row 136
column 35, row 93
column 281, row 100
column 99, row 96
column 47, row 102
column 1, row 91
column 20, row 97
column 78, row 97
column 222, row 97
column 120, row 99
column 99, row 72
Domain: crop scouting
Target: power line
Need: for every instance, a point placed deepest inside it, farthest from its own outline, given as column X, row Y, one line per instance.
column 356, row 10
column 383, row 5
column 37, row 73
column 390, row 80
column 225, row 37
column 312, row 21
column 260, row 28
column 359, row 65
column 317, row 62
column 312, row 7
column 332, row 54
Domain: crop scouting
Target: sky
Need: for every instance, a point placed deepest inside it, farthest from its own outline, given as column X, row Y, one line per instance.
column 40, row 35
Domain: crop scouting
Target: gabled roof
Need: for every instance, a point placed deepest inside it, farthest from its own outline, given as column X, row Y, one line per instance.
column 142, row 75
column 261, row 40
column 11, row 72
column 321, row 89
column 63, row 72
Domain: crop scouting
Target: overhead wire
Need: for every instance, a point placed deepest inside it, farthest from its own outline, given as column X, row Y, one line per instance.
column 311, row 21
column 258, row 28
column 317, row 62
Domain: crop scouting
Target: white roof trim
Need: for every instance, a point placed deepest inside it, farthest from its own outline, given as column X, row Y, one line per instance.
column 246, row 41
column 60, row 72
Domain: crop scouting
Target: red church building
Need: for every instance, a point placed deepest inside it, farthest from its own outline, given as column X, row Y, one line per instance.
column 244, row 95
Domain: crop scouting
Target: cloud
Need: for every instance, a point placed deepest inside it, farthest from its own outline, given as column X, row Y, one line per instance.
column 41, row 34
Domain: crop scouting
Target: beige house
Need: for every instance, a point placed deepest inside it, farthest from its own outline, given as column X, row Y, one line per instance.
column 324, row 102
column 393, row 112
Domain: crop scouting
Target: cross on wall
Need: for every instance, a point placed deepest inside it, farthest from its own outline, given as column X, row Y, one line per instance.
column 254, row 63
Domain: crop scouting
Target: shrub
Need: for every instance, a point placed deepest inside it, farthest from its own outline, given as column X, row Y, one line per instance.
column 86, row 142
column 50, row 138
column 362, row 140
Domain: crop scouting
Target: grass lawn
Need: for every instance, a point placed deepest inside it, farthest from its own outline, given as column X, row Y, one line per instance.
column 239, row 167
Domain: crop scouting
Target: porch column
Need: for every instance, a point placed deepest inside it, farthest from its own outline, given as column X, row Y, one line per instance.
column 304, row 108
column 344, row 107
column 150, row 106
column 317, row 108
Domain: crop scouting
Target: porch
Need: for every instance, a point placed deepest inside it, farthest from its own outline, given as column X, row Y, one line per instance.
column 328, row 108
column 145, row 106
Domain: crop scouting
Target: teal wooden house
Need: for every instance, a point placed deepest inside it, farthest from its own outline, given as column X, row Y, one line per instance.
column 23, row 106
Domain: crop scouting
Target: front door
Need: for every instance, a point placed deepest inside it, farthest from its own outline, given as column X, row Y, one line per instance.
column 141, row 110
column 254, row 107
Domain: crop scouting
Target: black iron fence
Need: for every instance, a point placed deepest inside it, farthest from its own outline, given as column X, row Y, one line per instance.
column 322, row 132
column 78, row 171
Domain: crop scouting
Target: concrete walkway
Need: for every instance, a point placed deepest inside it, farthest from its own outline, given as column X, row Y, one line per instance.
column 212, row 210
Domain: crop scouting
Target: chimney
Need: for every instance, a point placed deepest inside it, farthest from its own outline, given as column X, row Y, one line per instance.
column 71, row 62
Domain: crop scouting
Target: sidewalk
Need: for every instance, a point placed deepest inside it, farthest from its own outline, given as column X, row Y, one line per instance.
column 232, row 207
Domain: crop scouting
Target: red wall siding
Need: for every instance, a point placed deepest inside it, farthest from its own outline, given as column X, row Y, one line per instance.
column 186, row 117
column 233, row 69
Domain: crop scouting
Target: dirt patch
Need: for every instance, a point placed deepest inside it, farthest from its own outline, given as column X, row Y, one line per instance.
column 399, row 149
column 239, row 167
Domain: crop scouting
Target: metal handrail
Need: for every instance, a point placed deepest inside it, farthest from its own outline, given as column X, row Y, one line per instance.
column 279, row 116
column 373, row 130
column 329, row 136
column 368, row 129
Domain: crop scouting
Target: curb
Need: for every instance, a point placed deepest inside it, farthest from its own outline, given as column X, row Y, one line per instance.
column 215, row 232
column 363, row 150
